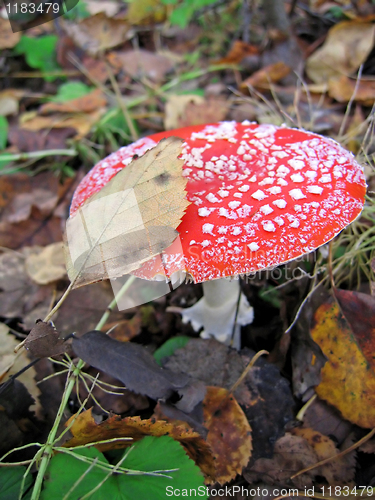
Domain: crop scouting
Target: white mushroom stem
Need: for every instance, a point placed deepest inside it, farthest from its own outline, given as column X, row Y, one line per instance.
column 216, row 312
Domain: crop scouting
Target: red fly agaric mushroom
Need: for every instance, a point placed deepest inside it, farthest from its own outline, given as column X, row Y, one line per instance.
column 260, row 196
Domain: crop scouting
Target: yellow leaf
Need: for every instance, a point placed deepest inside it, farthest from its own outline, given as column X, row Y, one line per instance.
column 147, row 12
column 47, row 264
column 347, row 379
column 132, row 219
column 347, row 46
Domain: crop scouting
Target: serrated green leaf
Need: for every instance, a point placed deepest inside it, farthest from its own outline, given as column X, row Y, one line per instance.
column 169, row 347
column 10, row 482
column 150, row 454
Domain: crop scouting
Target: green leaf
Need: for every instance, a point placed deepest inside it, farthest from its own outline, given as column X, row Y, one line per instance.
column 169, row 347
column 71, row 90
column 10, row 482
column 3, row 132
column 67, row 473
column 182, row 15
column 40, row 53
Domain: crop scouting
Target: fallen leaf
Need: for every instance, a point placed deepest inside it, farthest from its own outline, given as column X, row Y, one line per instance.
column 86, row 104
column 11, row 363
column 344, row 88
column 347, row 340
column 210, row 111
column 125, row 330
column 97, row 69
column 142, row 63
column 19, row 294
column 238, row 51
column 98, row 33
column 8, row 39
column 265, row 395
column 326, row 419
column 32, row 208
column 110, row 8
column 9, row 100
column 84, row 307
column 175, row 108
column 340, row 470
column 85, row 430
column 15, row 414
column 137, row 369
column 82, row 123
column 263, row 78
column 229, row 433
column 346, row 47
column 48, row 265
column 45, row 138
column 44, row 341
column 131, row 219
column 298, row 450
column 147, row 12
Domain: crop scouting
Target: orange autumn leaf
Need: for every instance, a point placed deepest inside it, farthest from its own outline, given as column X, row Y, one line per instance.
column 344, row 88
column 229, row 433
column 238, row 51
column 337, row 471
column 348, row 377
column 85, row 431
column 266, row 76
column 86, row 104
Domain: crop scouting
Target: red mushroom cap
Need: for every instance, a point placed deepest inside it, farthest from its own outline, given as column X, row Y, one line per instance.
column 260, row 196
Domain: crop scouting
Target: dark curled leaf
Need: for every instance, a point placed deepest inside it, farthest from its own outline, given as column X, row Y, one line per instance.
column 137, row 369
column 43, row 341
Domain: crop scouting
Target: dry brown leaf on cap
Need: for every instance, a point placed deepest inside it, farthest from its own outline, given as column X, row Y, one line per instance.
column 344, row 88
column 229, row 433
column 48, row 265
column 98, row 33
column 263, row 78
column 85, row 104
column 131, row 219
column 346, row 336
column 299, row 450
column 175, row 108
column 346, row 47
column 85, row 431
column 142, row 63
column 8, row 39
column 11, row 363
